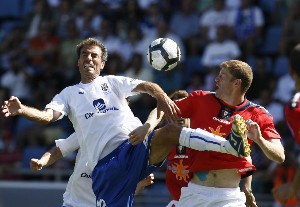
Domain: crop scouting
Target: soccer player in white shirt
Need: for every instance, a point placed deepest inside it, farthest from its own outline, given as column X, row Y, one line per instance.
column 103, row 122
column 79, row 191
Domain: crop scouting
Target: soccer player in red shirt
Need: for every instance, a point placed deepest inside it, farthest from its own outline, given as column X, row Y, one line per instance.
column 292, row 116
column 216, row 176
column 179, row 161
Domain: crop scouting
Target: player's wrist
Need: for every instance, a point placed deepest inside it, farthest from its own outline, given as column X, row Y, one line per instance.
column 148, row 126
column 161, row 95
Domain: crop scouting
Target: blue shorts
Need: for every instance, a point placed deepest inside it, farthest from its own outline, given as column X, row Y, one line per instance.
column 115, row 176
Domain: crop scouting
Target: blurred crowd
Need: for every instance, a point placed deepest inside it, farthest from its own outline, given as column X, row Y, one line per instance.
column 38, row 59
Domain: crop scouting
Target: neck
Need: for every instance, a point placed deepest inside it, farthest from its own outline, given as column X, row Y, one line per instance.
column 233, row 100
column 88, row 80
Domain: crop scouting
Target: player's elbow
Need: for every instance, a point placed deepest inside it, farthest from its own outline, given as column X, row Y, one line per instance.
column 280, row 158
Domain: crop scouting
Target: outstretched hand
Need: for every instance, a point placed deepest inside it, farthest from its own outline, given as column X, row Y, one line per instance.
column 35, row 165
column 166, row 105
column 11, row 107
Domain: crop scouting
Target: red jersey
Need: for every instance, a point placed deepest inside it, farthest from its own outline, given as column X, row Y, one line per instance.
column 178, row 170
column 208, row 112
column 292, row 116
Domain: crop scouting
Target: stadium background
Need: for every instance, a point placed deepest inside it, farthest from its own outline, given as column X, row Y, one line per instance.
column 37, row 60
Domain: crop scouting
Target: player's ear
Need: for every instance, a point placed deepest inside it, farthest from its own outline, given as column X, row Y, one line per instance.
column 102, row 65
column 238, row 82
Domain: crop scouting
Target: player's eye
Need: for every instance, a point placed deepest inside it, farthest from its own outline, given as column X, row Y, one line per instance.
column 95, row 55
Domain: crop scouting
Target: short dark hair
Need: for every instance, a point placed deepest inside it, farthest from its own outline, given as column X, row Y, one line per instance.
column 92, row 42
column 294, row 59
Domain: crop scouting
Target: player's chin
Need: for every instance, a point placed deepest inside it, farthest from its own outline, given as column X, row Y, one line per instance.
column 219, row 94
column 217, row 91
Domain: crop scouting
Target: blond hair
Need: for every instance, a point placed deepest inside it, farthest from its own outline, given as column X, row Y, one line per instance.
column 239, row 70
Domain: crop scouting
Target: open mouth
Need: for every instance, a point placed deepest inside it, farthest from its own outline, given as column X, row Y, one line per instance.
column 88, row 66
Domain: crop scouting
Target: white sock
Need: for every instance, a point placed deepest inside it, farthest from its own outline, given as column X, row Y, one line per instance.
column 202, row 140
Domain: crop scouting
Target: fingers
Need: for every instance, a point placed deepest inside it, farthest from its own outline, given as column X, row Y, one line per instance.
column 135, row 138
column 5, row 108
column 251, row 123
column 149, row 179
column 169, row 108
column 35, row 165
column 174, row 111
column 171, row 114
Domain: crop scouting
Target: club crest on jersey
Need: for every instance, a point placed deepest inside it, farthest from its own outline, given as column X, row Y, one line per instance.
column 104, row 87
column 101, row 203
column 226, row 114
column 180, row 150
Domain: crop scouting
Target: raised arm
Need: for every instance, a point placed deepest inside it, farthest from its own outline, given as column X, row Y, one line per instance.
column 14, row 107
column 164, row 103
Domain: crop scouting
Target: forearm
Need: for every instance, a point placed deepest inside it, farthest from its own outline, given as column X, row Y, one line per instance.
column 51, row 156
column 247, row 189
column 150, row 88
column 272, row 149
column 246, row 184
column 33, row 114
column 152, row 120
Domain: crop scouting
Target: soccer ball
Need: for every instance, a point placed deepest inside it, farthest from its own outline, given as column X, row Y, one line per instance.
column 163, row 54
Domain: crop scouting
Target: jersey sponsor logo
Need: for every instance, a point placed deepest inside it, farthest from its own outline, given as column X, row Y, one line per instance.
column 85, row 175
column 100, row 107
column 101, row 203
column 181, row 156
column 89, row 115
column 221, row 120
column 99, row 104
column 181, row 171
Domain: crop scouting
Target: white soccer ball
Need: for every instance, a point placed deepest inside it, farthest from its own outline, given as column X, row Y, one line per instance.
column 163, row 54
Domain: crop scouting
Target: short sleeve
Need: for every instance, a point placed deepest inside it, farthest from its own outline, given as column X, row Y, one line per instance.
column 68, row 145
